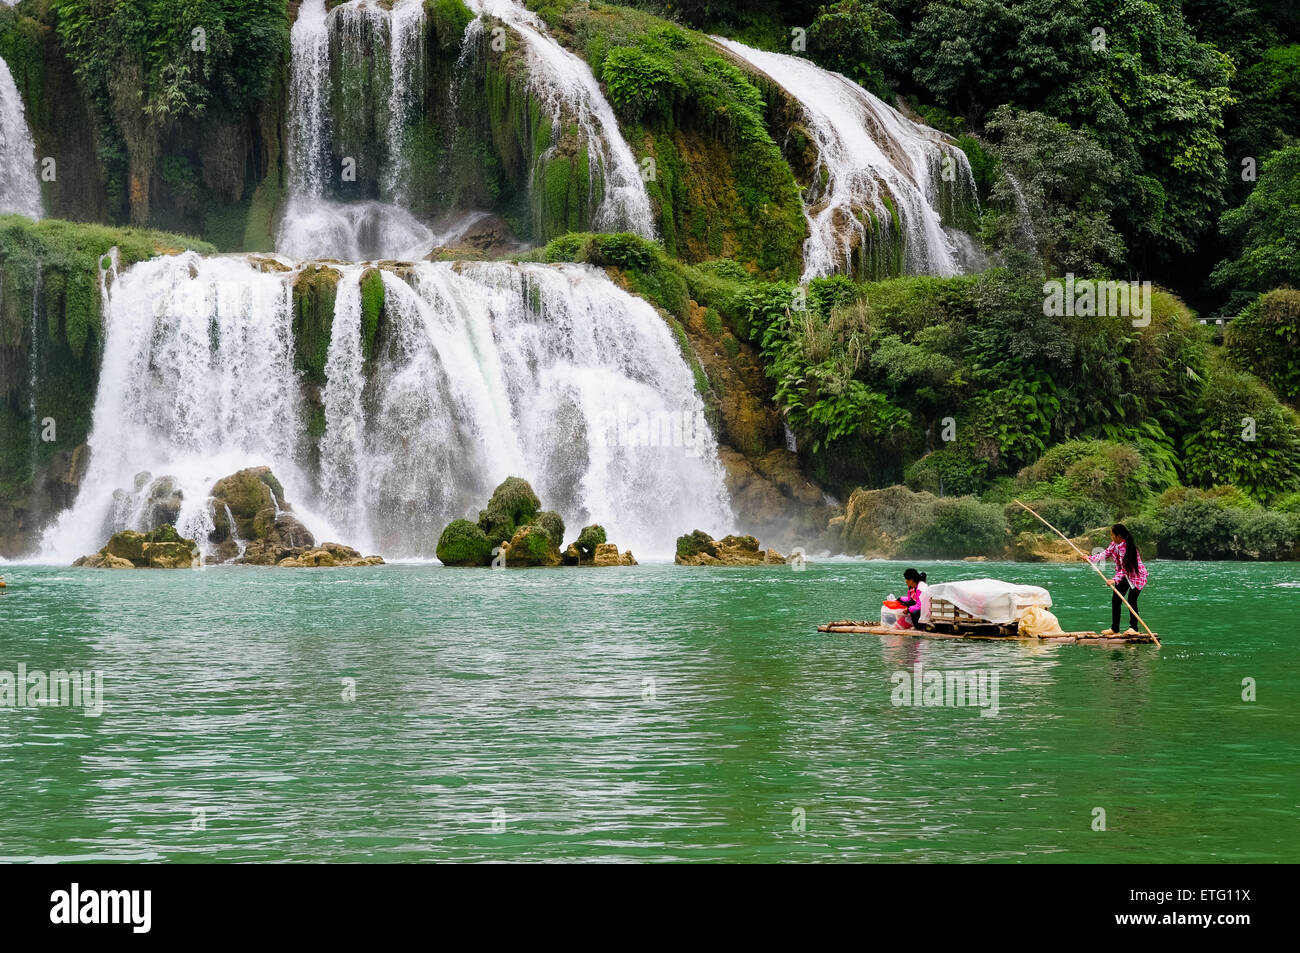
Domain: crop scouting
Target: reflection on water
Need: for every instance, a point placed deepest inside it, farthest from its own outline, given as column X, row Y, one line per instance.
column 655, row 712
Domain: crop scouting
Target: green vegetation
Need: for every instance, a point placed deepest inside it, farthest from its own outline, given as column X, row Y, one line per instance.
column 1265, row 339
column 314, row 292
column 1129, row 138
column 1266, row 229
column 513, row 504
column 372, row 308
column 587, row 541
column 153, row 68
column 462, row 543
column 720, row 183
column 694, row 543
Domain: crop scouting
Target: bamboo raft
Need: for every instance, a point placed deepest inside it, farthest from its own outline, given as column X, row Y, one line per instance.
column 984, row 630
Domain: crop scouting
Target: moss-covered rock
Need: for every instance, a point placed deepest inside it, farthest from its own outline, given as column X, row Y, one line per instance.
column 698, row 549
column 372, row 310
column 513, row 504
column 588, row 539
column 695, row 543
column 462, row 543
column 328, row 556
column 314, row 292
column 553, row 524
column 532, row 545
column 248, row 494
column 162, row 548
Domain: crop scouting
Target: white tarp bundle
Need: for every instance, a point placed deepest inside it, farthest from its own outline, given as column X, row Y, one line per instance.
column 991, row 599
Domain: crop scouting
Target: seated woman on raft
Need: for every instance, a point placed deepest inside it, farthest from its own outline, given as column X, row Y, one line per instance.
column 916, row 602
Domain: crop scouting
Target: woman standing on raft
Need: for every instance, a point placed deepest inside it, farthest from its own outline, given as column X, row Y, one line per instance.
column 1130, row 576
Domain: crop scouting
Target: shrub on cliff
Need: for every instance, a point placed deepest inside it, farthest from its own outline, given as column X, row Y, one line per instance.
column 954, row 528
column 1265, row 340
column 949, row 471
column 1244, row 436
column 1112, row 474
column 1071, row 517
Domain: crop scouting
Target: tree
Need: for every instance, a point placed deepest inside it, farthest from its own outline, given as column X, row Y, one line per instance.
column 1265, row 339
column 1266, row 229
column 854, row 37
column 1066, row 184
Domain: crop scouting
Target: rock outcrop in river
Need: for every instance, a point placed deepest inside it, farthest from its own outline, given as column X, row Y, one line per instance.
column 254, row 525
column 161, row 548
column 697, row 548
column 516, row 528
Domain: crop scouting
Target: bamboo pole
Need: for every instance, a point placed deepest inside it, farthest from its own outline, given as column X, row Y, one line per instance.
column 1094, row 569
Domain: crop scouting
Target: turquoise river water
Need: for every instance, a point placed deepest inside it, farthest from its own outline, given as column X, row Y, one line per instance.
column 653, row 713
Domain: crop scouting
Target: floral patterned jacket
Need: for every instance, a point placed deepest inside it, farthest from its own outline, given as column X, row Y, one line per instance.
column 1115, row 551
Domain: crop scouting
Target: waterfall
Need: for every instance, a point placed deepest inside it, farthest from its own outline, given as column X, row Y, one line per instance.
column 869, row 157
column 484, row 370
column 309, row 113
column 494, row 369
column 234, row 526
column 406, row 31
column 196, row 382
column 315, row 225
column 565, row 84
column 20, row 189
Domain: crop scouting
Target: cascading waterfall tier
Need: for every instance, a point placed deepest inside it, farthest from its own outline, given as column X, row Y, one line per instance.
column 565, row 84
column 873, row 164
column 196, row 382
column 20, row 189
column 385, row 45
column 479, row 371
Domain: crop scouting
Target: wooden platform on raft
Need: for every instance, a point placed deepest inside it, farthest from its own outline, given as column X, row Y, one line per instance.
column 987, row 631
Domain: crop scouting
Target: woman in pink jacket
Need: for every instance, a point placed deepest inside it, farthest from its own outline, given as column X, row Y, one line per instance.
column 1130, row 576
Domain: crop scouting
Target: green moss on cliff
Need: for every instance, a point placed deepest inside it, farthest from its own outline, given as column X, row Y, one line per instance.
column 718, row 179
column 314, row 292
column 372, row 308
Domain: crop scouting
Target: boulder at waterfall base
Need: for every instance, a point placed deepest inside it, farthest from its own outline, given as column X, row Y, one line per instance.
column 162, row 548
column 697, row 548
column 266, row 526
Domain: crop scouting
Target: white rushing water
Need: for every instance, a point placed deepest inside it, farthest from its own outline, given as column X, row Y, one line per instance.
column 313, row 225
column 196, row 382
column 20, row 189
column 565, row 84
column 357, row 35
column 867, row 150
column 487, row 370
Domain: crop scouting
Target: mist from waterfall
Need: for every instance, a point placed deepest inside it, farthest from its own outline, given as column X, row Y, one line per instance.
column 20, row 188
column 867, row 152
column 486, row 370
